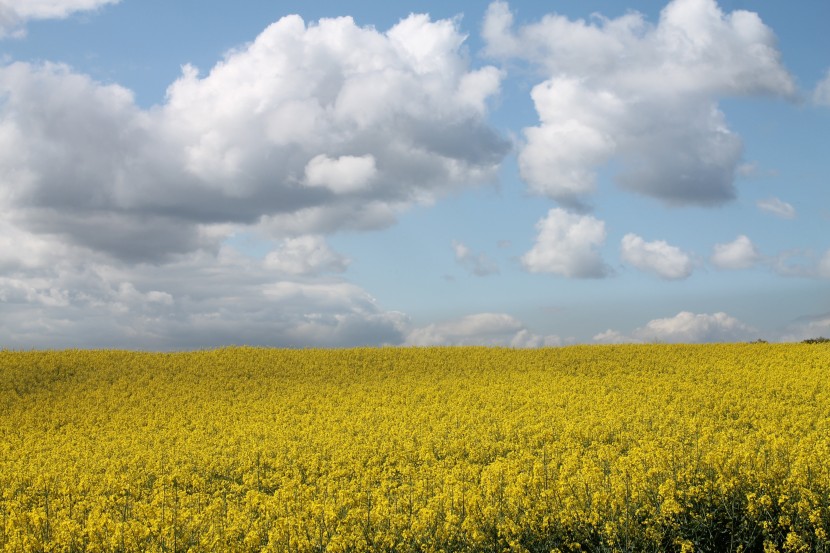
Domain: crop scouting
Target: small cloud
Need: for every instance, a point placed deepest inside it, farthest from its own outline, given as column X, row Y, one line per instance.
column 14, row 15
column 567, row 244
column 751, row 169
column 747, row 169
column 741, row 253
column 478, row 264
column 658, row 257
column 821, row 94
column 777, row 207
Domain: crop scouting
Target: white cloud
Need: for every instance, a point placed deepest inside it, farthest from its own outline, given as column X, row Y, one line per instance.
column 685, row 327
column 52, row 9
column 343, row 106
column 305, row 255
column 645, row 95
column 15, row 13
column 741, row 253
column 308, row 129
column 477, row 86
column 493, row 329
column 658, row 257
column 478, row 264
column 776, row 207
column 567, row 244
column 821, row 95
column 561, row 155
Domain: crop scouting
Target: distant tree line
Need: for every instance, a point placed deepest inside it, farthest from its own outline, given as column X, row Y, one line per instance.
column 819, row 340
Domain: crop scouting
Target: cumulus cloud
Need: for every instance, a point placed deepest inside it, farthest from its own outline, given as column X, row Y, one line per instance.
column 114, row 218
column 741, row 253
column 306, row 130
column 658, row 257
column 777, row 207
column 642, row 94
column 821, row 95
column 567, row 244
column 479, row 264
column 15, row 13
column 492, row 329
column 685, row 327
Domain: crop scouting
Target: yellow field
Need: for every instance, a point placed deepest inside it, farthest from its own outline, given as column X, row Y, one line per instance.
column 587, row 448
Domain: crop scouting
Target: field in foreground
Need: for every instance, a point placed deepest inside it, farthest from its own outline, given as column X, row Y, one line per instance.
column 587, row 448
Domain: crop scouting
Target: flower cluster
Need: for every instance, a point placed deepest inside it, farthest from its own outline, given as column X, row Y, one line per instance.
column 583, row 448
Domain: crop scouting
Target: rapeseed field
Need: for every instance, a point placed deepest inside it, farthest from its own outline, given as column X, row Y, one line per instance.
column 584, row 448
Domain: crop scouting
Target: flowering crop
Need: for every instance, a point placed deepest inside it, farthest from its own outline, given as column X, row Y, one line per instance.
column 583, row 448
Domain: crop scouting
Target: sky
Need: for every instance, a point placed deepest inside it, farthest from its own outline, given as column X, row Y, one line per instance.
column 195, row 174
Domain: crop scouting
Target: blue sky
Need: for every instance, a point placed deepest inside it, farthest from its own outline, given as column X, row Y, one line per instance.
column 192, row 174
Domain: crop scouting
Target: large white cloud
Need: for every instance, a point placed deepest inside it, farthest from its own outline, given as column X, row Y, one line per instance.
column 397, row 117
column 567, row 244
column 114, row 218
column 15, row 13
column 645, row 95
column 741, row 253
column 308, row 129
column 685, row 327
column 658, row 257
column 491, row 329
